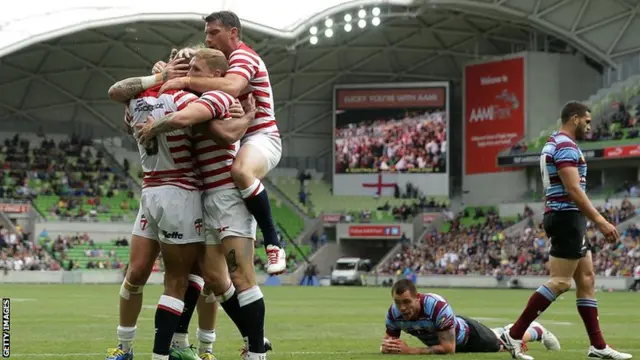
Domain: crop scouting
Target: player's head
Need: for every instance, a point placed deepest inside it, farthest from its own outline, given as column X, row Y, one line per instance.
column 208, row 63
column 186, row 54
column 223, row 31
column 405, row 296
column 576, row 117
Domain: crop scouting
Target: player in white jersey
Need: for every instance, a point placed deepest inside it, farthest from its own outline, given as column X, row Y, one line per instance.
column 261, row 146
column 228, row 221
column 174, row 169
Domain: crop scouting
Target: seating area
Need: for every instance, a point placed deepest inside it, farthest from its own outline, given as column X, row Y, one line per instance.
column 67, row 179
column 614, row 112
column 18, row 253
column 476, row 244
column 318, row 198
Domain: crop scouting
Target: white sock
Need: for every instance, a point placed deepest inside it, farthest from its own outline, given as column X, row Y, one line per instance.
column 180, row 341
column 206, row 338
column 159, row 357
column 125, row 337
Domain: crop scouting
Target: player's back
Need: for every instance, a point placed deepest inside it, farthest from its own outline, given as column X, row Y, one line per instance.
column 435, row 315
column 245, row 62
column 168, row 161
column 560, row 151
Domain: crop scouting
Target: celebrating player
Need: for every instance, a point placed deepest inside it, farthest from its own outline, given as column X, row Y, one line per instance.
column 167, row 169
column 564, row 173
column 431, row 319
column 231, row 229
column 261, row 146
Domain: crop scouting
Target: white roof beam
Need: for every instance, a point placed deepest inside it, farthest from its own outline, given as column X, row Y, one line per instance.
column 578, row 18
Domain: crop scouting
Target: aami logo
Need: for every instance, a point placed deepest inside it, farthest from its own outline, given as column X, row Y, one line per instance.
column 482, row 114
column 172, row 235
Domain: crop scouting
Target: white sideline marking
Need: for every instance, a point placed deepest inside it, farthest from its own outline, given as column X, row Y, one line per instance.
column 506, row 321
column 22, row 299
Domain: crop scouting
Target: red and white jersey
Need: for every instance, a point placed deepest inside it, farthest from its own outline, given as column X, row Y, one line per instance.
column 169, row 160
column 214, row 161
column 247, row 63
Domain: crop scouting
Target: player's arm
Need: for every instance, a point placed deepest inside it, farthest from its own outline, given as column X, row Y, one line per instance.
column 566, row 160
column 231, row 83
column 127, row 89
column 447, row 345
column 225, row 132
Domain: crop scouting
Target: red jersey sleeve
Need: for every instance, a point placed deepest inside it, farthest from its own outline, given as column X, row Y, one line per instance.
column 217, row 102
column 243, row 63
column 183, row 98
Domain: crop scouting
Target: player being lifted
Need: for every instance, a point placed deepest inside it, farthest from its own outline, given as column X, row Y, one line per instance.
column 430, row 318
column 261, row 146
column 231, row 229
column 170, row 168
column 567, row 208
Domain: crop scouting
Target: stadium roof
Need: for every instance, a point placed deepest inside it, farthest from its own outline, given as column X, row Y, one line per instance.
column 58, row 59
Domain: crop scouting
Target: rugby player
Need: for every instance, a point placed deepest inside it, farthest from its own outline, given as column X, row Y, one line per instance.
column 431, row 319
column 172, row 168
column 228, row 263
column 261, row 148
column 567, row 209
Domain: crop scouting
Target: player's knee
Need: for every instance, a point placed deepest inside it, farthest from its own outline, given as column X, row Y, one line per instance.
column 586, row 281
column 127, row 289
column 243, row 278
column 137, row 274
column 559, row 285
column 175, row 286
column 240, row 173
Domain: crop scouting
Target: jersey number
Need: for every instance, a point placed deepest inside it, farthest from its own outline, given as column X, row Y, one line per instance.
column 153, row 149
column 544, row 172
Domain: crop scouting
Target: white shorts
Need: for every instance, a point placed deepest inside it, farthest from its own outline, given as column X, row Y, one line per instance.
column 269, row 145
column 170, row 215
column 225, row 214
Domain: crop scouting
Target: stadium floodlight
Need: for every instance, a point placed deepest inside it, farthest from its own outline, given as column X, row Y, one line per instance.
column 347, row 17
column 328, row 33
column 375, row 11
column 313, row 30
column 362, row 13
column 328, row 23
column 375, row 21
column 362, row 23
column 313, row 40
column 347, row 27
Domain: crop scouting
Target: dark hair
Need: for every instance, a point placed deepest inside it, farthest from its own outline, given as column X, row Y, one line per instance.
column 228, row 19
column 403, row 285
column 571, row 109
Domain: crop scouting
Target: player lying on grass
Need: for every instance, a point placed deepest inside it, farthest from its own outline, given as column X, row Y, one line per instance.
column 431, row 319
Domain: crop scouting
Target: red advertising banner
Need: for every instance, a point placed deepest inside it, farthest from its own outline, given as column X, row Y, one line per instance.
column 494, row 112
column 331, row 218
column 363, row 231
column 427, row 218
column 435, row 97
column 622, row 151
column 14, row 208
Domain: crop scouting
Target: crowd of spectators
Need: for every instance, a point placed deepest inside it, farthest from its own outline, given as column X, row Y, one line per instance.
column 17, row 252
column 484, row 249
column 418, row 142
column 72, row 170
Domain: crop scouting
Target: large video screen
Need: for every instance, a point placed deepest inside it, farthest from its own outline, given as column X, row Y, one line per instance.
column 391, row 134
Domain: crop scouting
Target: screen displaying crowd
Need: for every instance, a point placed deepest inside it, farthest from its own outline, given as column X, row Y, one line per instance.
column 413, row 140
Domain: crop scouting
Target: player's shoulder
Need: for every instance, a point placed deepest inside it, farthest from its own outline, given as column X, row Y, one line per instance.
column 244, row 50
column 393, row 314
column 218, row 95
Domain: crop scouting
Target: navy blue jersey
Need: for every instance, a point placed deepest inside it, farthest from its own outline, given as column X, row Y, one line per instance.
column 559, row 152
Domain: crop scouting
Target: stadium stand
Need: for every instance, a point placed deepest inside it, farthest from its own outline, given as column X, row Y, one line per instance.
column 17, row 252
column 66, row 180
column 479, row 246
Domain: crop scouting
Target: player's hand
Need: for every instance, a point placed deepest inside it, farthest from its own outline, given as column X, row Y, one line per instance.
column 145, row 133
column 176, row 68
column 396, row 346
column 249, row 104
column 158, row 67
column 235, row 110
column 609, row 231
column 174, row 84
column 186, row 53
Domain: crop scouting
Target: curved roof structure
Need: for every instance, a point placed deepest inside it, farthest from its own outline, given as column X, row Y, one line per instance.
column 57, row 60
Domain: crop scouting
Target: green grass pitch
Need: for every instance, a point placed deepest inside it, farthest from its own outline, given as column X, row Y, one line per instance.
column 79, row 321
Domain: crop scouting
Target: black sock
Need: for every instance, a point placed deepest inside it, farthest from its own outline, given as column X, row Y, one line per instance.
column 253, row 309
column 232, row 308
column 257, row 202
column 166, row 320
column 191, row 297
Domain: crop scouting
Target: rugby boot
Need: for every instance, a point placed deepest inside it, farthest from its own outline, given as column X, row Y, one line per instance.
column 119, row 354
column 276, row 260
column 607, row 353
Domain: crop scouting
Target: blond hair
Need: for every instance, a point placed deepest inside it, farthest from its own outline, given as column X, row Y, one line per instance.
column 215, row 59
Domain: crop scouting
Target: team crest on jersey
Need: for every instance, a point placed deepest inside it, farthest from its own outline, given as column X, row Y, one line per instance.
column 143, row 223
column 198, row 226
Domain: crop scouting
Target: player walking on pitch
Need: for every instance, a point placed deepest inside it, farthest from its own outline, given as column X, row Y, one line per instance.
column 567, row 209
column 261, row 146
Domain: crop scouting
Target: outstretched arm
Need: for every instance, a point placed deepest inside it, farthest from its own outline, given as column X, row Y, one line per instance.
column 231, row 84
column 447, row 345
column 127, row 89
column 193, row 114
column 226, row 132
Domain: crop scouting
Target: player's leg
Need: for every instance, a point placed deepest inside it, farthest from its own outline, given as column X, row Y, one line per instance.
column 143, row 253
column 480, row 339
column 587, row 304
column 257, row 156
column 566, row 233
column 180, row 347
column 206, row 333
